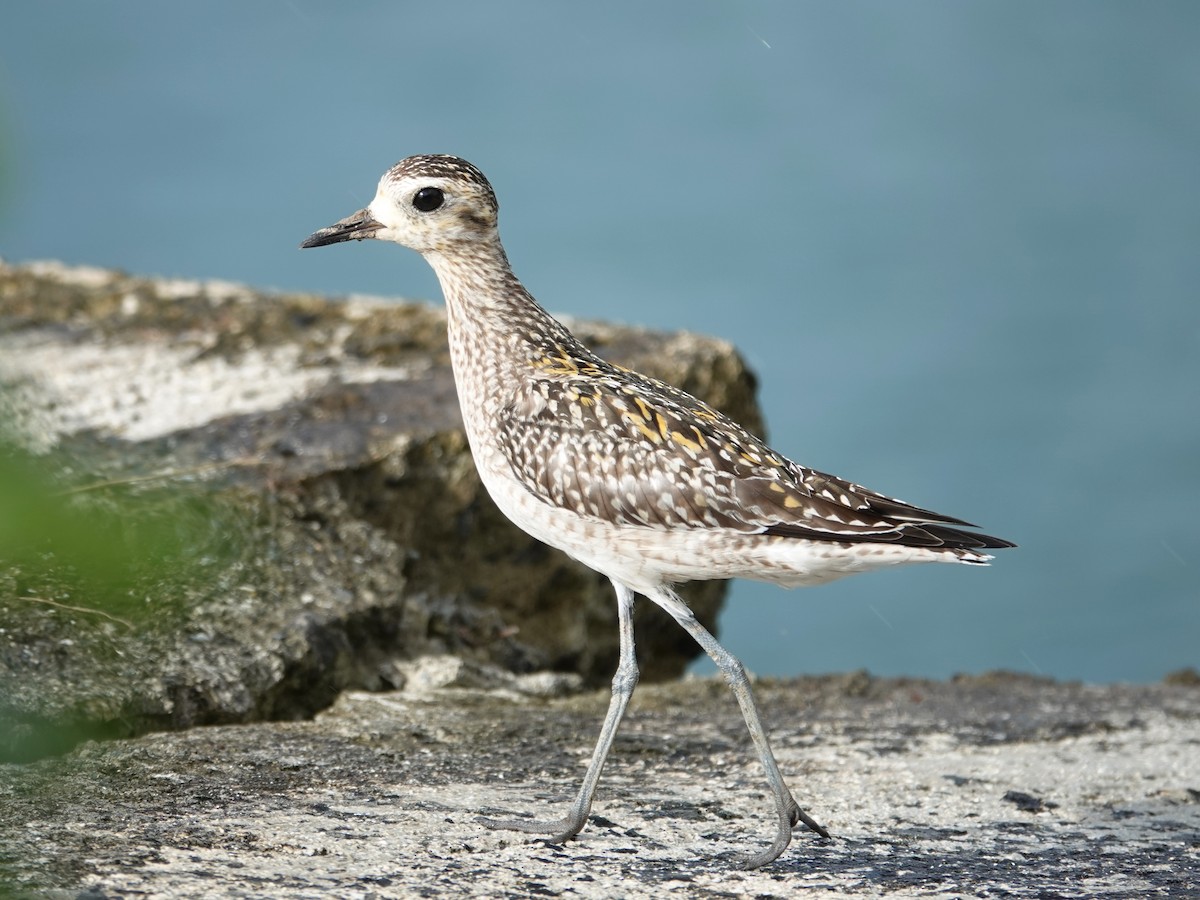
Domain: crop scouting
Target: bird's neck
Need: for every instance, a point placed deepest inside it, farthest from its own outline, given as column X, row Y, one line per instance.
column 486, row 305
column 499, row 335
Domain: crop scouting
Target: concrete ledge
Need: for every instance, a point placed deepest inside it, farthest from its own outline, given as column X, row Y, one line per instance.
column 997, row 786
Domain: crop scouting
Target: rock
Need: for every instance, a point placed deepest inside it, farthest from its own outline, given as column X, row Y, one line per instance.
column 230, row 506
column 378, row 795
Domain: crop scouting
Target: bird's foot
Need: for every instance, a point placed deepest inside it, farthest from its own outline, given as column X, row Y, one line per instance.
column 797, row 815
column 792, row 816
column 557, row 831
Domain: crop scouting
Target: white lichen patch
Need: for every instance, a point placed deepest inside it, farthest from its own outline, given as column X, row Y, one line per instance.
column 137, row 391
column 81, row 276
column 215, row 291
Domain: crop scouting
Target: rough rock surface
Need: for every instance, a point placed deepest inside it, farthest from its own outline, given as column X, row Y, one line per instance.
column 996, row 786
column 302, row 461
column 284, row 485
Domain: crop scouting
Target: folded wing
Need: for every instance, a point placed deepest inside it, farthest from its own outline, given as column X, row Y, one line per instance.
column 634, row 451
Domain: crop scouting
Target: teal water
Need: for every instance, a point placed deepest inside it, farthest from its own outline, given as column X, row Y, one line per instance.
column 957, row 242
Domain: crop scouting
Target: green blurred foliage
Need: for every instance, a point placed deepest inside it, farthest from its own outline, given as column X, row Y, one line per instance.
column 106, row 546
column 93, row 567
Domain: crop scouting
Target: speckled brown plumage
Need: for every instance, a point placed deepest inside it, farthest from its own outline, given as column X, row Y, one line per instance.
column 631, row 476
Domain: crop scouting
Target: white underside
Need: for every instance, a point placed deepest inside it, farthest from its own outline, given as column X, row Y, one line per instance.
column 647, row 559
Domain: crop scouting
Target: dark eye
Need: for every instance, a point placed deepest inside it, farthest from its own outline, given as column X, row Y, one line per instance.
column 427, row 199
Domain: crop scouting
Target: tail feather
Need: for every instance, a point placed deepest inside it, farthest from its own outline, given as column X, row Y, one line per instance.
column 906, row 534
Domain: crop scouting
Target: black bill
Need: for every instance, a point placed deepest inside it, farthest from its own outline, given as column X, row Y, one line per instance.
column 357, row 227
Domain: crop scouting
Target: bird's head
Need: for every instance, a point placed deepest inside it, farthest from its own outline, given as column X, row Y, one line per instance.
column 430, row 203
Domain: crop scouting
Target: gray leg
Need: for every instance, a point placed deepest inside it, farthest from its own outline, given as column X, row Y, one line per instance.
column 787, row 810
column 624, row 681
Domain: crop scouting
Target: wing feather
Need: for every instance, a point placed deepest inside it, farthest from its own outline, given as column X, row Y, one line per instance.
column 624, row 448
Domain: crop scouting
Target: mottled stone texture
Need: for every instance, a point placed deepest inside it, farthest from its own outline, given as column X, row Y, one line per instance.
column 997, row 786
column 288, row 477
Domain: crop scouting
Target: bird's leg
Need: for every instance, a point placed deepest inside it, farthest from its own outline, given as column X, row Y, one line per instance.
column 787, row 810
column 624, row 681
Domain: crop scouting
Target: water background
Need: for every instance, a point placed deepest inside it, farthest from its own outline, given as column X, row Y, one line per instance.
column 958, row 242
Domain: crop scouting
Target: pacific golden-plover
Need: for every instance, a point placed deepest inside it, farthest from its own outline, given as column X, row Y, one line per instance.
column 632, row 477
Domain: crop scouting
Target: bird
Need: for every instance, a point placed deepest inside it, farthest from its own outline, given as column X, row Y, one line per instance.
column 634, row 478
